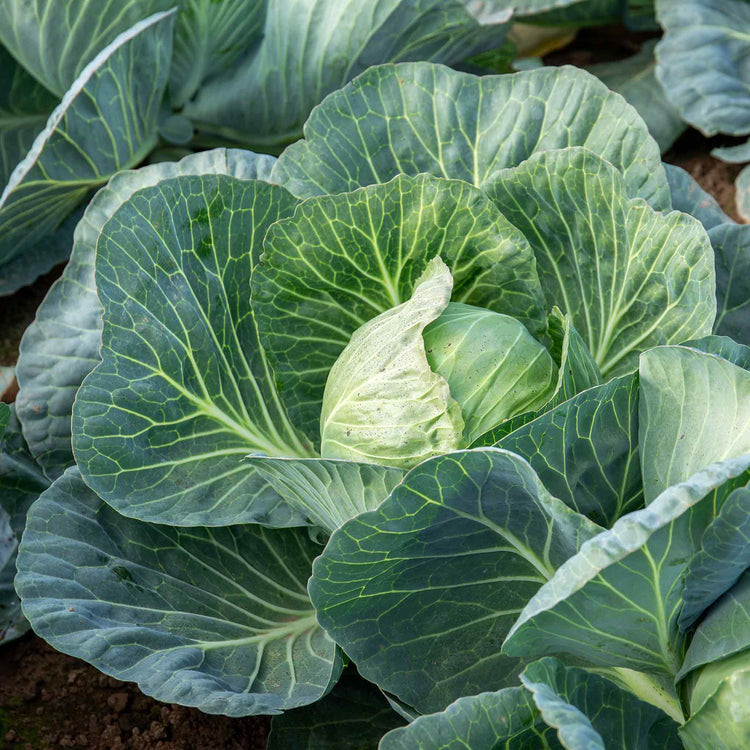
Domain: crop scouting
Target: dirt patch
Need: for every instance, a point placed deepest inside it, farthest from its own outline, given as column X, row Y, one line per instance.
column 49, row 700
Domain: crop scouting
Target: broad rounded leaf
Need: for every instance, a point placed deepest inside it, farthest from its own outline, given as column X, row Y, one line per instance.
column 370, row 247
column 585, row 451
column 213, row 618
column 416, row 117
column 105, row 122
column 184, row 391
column 507, row 718
column 616, row 602
column 702, row 62
column 694, row 411
column 589, row 711
column 383, row 404
column 313, row 47
column 723, row 557
column 629, row 277
column 61, row 346
column 421, row 591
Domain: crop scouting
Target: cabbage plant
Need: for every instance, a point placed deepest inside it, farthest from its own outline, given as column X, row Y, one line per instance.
column 415, row 396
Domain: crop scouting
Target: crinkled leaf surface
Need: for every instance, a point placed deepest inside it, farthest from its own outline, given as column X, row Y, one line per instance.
column 416, row 117
column 213, row 618
column 635, row 79
column 313, row 47
column 421, row 591
column 589, row 711
column 62, row 345
column 184, row 390
column 585, row 451
column 723, row 557
column 383, row 403
column 12, row 622
column 25, row 106
column 702, row 62
column 370, row 247
column 327, row 492
column 616, row 602
column 629, row 277
column 694, row 411
column 506, row 718
column 105, row 122
column 354, row 715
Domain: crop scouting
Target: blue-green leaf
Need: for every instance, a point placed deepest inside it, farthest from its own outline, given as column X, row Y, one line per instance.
column 630, row 277
column 107, row 121
column 213, row 618
column 421, row 591
column 62, row 345
column 184, row 390
column 416, row 117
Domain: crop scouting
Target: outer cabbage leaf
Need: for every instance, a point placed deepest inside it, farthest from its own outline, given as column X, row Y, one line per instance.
column 421, row 591
column 616, row 602
column 724, row 347
column 25, row 106
column 370, row 247
column 354, row 715
column 507, row 718
column 702, row 62
column 21, row 482
column 213, row 618
column 629, row 277
column 585, row 451
column 635, row 79
column 723, row 557
column 105, row 122
column 589, row 711
column 55, row 41
column 694, row 411
column 416, row 117
column 62, row 345
column 184, row 390
column 383, row 404
column 313, row 47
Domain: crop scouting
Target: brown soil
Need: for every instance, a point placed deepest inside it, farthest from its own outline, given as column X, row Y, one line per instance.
column 49, row 700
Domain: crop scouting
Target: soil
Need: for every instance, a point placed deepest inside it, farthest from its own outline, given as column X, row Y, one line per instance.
column 49, row 700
